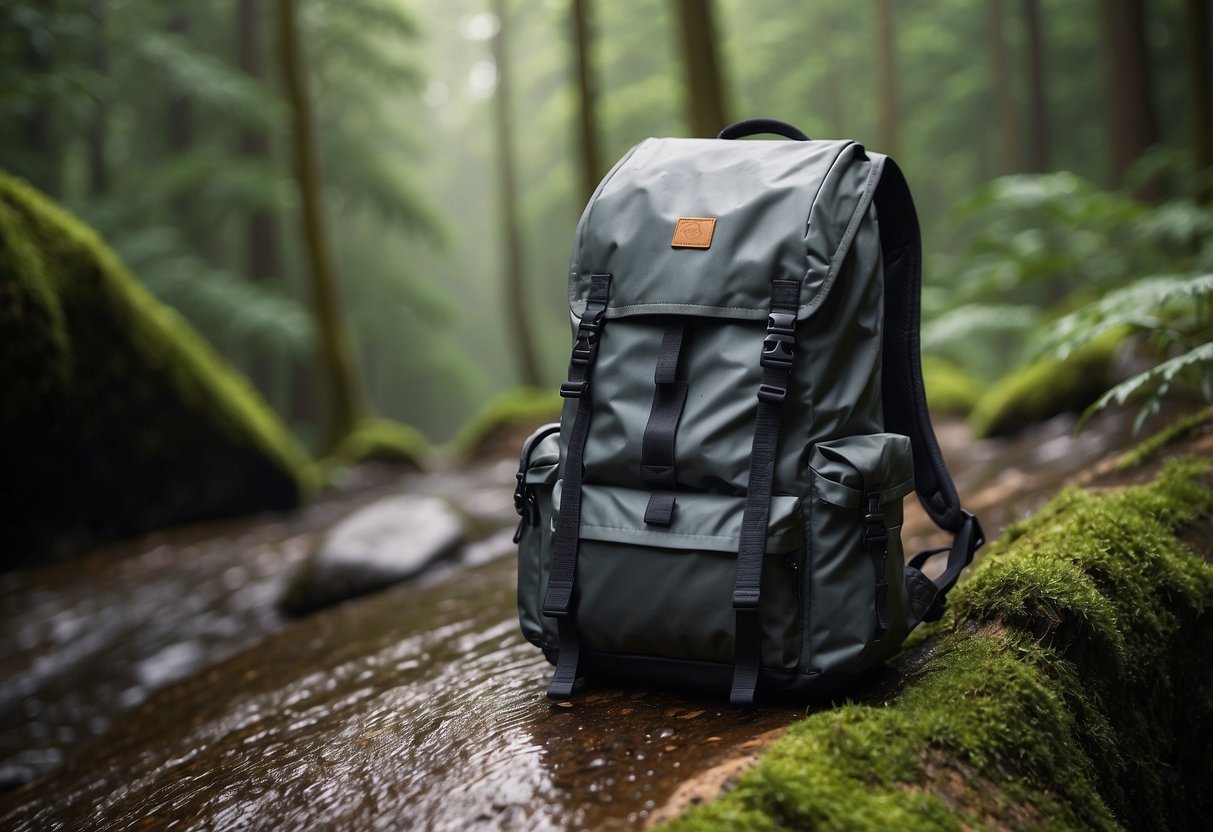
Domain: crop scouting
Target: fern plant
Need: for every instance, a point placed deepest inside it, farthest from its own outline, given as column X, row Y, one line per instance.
column 1175, row 311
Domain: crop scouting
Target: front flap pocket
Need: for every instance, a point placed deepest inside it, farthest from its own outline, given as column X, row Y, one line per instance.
column 667, row 590
column 857, row 598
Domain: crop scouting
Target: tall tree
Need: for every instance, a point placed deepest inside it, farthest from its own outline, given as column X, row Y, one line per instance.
column 587, row 98
column 1004, row 96
column 38, row 133
column 179, row 124
column 97, row 137
column 517, row 311
column 1199, row 20
column 1132, row 127
column 343, row 388
column 261, row 226
column 261, row 231
column 886, row 78
column 1039, row 155
column 705, row 94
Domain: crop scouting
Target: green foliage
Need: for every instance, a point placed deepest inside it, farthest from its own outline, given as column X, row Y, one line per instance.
column 116, row 416
column 1062, row 689
column 1054, row 265
column 950, row 388
column 519, row 409
column 1047, row 387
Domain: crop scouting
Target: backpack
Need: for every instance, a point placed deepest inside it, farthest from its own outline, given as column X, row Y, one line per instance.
column 720, row 506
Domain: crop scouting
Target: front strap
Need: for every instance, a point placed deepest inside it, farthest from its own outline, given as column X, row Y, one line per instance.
column 778, row 352
column 929, row 597
column 560, row 601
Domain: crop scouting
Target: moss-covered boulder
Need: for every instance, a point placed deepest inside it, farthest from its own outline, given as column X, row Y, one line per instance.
column 115, row 416
column 380, row 440
column 501, row 425
column 1047, row 387
column 951, row 389
column 1067, row 688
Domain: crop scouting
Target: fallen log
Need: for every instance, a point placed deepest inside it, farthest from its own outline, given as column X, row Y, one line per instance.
column 1068, row 686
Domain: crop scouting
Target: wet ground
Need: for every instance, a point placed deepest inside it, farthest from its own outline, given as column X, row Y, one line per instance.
column 419, row 707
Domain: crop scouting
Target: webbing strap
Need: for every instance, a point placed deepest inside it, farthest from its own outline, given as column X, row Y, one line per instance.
column 778, row 353
column 657, row 447
column 559, row 600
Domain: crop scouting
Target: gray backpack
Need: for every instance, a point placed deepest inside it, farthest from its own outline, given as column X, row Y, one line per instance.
column 720, row 506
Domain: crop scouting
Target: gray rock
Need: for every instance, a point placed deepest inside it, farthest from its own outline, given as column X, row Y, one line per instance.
column 380, row 545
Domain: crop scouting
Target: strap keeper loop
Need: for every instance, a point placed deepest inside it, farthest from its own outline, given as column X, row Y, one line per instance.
column 745, row 599
column 573, row 389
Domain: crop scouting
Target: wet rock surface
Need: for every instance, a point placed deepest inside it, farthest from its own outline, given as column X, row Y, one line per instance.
column 384, row 543
column 418, row 707
column 414, row 708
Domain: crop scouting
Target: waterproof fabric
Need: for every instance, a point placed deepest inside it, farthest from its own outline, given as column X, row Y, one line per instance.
column 654, row 600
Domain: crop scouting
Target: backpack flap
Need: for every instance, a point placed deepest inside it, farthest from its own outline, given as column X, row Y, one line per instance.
column 766, row 210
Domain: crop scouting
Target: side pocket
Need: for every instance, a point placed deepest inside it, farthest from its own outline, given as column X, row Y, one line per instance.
column 856, row 608
column 538, row 470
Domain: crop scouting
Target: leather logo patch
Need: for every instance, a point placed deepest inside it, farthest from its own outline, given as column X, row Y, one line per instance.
column 693, row 232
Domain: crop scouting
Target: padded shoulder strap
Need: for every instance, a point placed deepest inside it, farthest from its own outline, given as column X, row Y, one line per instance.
column 905, row 401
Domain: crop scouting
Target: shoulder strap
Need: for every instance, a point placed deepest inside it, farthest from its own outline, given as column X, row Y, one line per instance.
column 905, row 400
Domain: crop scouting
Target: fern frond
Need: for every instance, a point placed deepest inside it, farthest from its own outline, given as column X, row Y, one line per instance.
column 210, row 80
column 974, row 319
column 1196, row 361
column 1143, row 304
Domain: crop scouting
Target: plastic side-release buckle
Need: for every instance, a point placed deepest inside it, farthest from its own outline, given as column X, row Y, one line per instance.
column 588, row 331
column 779, row 347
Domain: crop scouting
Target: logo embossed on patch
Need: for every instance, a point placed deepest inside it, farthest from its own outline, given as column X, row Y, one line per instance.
column 693, row 232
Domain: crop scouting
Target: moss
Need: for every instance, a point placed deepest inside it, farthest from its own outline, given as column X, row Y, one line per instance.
column 1066, row 687
column 381, row 440
column 517, row 410
column 116, row 417
column 1176, row 431
column 950, row 388
column 1046, row 388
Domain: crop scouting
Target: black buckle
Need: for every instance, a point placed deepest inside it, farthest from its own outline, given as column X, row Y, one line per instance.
column 875, row 534
column 573, row 389
column 779, row 347
column 979, row 534
column 586, row 345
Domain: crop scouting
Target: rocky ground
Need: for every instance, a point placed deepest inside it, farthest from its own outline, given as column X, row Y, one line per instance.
column 159, row 680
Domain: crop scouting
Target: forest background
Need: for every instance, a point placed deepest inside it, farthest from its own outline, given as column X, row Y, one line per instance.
column 414, row 265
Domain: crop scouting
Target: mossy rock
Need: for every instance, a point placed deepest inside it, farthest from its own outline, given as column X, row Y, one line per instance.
column 1066, row 688
column 951, row 389
column 1047, row 387
column 510, row 415
column 381, row 440
column 116, row 417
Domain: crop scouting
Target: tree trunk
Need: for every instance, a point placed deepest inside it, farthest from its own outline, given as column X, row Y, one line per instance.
column 343, row 392
column 515, row 290
column 1004, row 96
column 38, row 133
column 1039, row 143
column 886, row 78
column 261, row 233
column 705, row 95
column 587, row 98
column 261, row 227
column 1131, row 123
column 179, row 126
column 98, row 125
column 1199, row 19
